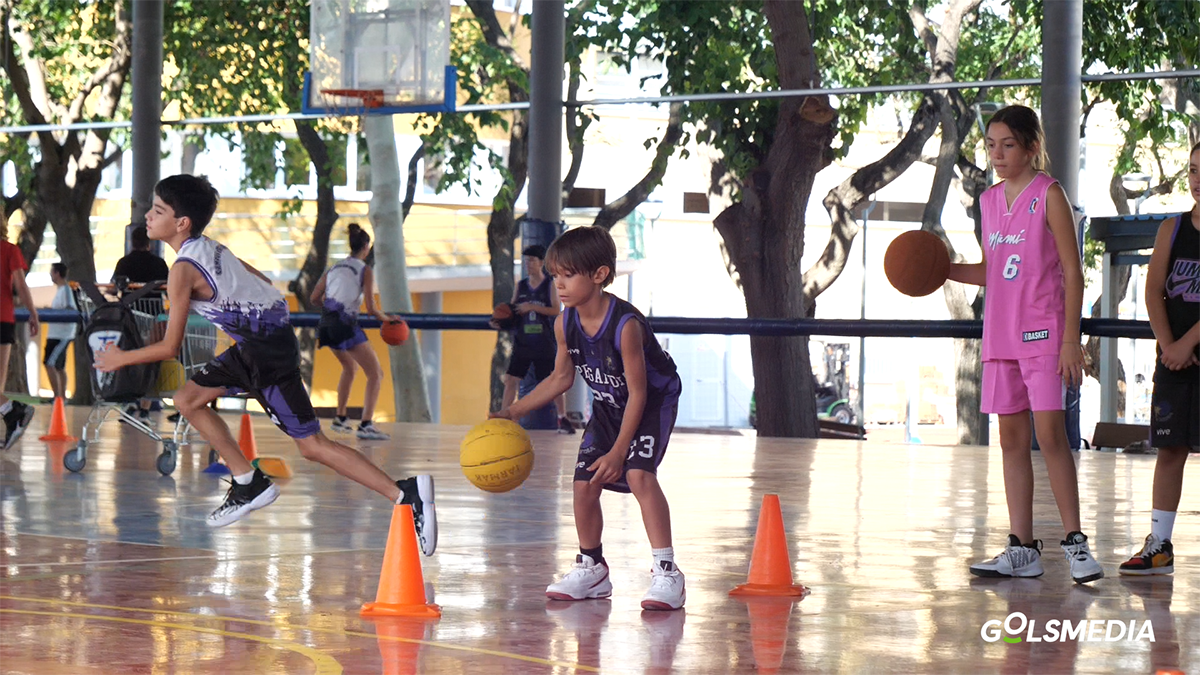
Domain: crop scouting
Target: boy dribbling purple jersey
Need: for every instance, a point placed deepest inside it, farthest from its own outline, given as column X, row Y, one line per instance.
column 635, row 390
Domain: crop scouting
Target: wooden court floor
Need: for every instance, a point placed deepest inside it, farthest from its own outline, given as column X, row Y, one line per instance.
column 113, row 570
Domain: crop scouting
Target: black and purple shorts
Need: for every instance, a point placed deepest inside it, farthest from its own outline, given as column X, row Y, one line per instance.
column 645, row 452
column 338, row 334
column 268, row 369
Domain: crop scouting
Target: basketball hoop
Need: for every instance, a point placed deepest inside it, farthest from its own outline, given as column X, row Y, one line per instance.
column 371, row 98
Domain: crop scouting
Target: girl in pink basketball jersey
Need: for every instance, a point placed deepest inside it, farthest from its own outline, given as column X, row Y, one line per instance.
column 1031, row 341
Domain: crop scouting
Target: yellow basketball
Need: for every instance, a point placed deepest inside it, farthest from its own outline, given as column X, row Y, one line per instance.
column 496, row 455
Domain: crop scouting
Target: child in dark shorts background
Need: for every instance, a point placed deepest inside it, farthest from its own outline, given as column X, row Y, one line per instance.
column 59, row 335
column 635, row 391
column 1173, row 303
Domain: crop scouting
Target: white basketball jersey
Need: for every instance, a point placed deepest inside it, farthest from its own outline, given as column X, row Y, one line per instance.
column 344, row 287
column 243, row 304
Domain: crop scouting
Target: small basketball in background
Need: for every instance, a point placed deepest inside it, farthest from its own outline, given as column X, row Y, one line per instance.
column 917, row 263
column 504, row 316
column 496, row 455
column 394, row 332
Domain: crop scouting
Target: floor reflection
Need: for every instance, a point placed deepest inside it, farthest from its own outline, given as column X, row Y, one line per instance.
column 113, row 569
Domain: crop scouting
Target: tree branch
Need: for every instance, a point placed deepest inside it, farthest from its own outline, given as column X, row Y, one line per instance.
column 33, row 74
column 410, row 188
column 493, row 32
column 924, row 29
column 626, row 203
column 577, row 123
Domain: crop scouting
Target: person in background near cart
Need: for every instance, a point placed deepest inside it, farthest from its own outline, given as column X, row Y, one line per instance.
column 141, row 266
column 17, row 415
column 59, row 335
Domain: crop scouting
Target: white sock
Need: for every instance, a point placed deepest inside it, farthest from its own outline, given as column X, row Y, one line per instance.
column 1161, row 523
column 4, row 409
column 663, row 554
column 244, row 479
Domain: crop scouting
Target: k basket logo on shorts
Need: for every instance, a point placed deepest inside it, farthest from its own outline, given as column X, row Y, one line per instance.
column 1035, row 335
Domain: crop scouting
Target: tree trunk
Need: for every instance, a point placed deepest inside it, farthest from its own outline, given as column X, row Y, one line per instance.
column 763, row 234
column 408, row 374
column 318, row 252
column 502, row 231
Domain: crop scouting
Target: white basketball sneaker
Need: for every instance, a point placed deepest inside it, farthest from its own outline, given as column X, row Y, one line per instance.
column 1017, row 560
column 1084, row 567
column 587, row 579
column 666, row 588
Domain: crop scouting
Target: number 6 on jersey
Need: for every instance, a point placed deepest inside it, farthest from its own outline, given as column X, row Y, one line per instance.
column 1010, row 267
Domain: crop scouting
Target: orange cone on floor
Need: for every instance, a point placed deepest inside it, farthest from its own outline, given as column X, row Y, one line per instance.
column 769, row 619
column 275, row 467
column 770, row 568
column 58, row 424
column 400, row 640
column 246, row 439
column 401, row 584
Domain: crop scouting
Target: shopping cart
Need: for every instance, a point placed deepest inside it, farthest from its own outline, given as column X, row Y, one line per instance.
column 202, row 340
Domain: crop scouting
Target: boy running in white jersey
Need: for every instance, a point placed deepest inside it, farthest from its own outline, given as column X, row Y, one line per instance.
column 264, row 361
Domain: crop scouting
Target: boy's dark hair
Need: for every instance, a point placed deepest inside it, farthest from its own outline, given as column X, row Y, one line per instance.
column 359, row 239
column 61, row 268
column 190, row 196
column 583, row 250
column 536, row 251
column 1195, row 148
column 1027, row 129
column 139, row 238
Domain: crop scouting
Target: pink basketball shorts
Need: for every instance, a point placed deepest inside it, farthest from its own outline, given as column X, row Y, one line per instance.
column 1028, row 384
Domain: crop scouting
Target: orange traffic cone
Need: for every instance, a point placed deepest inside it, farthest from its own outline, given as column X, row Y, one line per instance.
column 275, row 467
column 401, row 584
column 770, row 569
column 768, row 631
column 400, row 640
column 58, row 424
column 246, row 439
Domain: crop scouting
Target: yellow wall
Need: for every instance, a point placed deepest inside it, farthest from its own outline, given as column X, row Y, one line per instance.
column 466, row 360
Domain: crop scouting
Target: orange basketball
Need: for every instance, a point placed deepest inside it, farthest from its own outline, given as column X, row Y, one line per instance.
column 917, row 263
column 394, row 332
column 503, row 316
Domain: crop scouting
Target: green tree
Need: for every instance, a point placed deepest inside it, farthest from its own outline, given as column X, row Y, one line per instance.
column 769, row 150
column 1156, row 115
column 227, row 60
column 65, row 62
column 491, row 70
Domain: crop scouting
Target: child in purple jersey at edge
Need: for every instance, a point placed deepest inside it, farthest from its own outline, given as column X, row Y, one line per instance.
column 1173, row 303
column 264, row 360
column 635, row 390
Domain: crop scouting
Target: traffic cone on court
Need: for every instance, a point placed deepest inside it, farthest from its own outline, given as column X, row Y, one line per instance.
column 58, row 424
column 401, row 584
column 246, row 439
column 400, row 640
column 770, row 568
column 275, row 467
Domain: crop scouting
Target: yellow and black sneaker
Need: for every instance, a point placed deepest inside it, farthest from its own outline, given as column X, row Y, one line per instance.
column 1156, row 557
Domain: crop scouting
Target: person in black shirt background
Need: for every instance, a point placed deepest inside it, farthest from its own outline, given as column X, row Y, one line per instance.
column 141, row 266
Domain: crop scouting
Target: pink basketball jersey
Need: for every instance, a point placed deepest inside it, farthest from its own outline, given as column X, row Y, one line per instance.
column 1025, row 305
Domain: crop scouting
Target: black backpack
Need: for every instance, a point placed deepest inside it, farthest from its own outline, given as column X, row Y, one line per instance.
column 114, row 323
